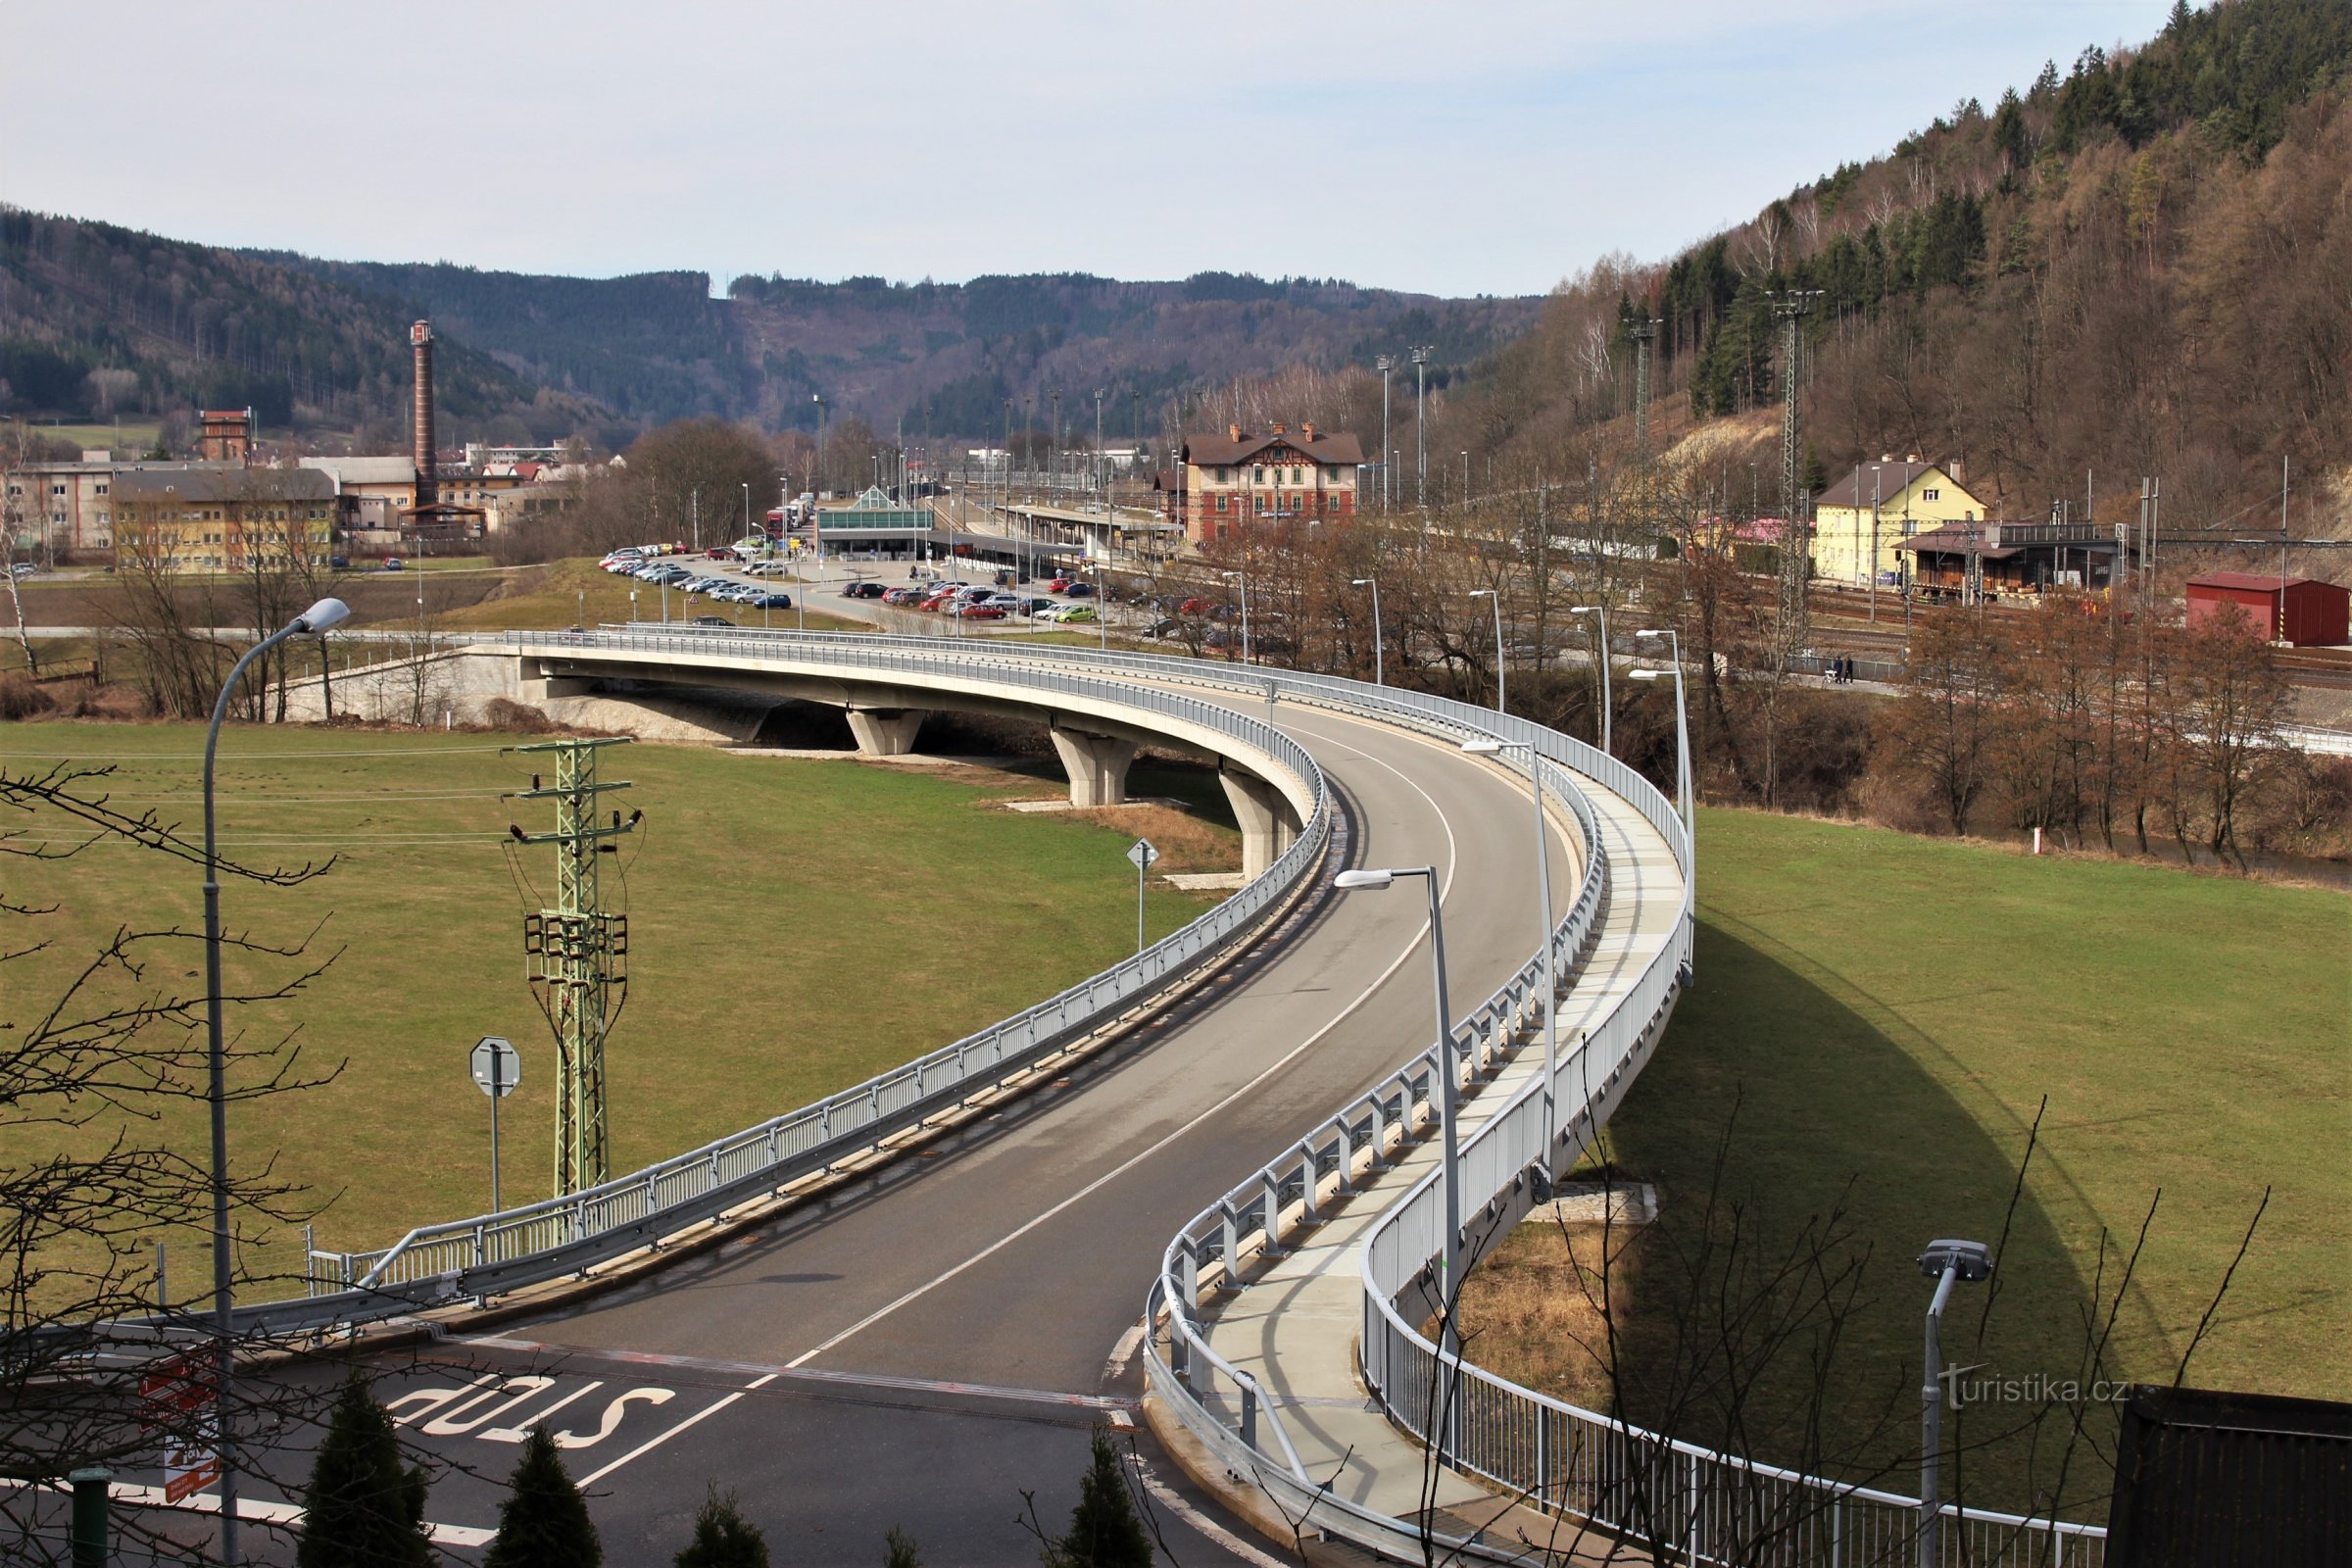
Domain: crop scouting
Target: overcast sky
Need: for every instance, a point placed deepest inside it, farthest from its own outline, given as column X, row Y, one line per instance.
column 1489, row 147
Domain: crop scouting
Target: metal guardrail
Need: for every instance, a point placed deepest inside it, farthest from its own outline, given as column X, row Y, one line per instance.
column 434, row 1264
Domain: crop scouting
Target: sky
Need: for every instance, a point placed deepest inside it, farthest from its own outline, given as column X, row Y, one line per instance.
column 1494, row 148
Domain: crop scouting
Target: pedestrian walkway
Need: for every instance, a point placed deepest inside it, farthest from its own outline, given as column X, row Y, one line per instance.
column 1296, row 1327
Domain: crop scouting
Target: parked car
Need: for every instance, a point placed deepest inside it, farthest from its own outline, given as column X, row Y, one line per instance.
column 1069, row 615
column 863, row 590
column 976, row 611
column 771, row 602
column 721, row 620
column 1081, row 590
column 1060, row 585
column 394, row 563
column 1165, row 627
column 722, row 553
column 1193, row 606
column 339, row 563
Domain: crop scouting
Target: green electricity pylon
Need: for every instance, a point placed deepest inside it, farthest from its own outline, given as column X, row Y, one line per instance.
column 578, row 956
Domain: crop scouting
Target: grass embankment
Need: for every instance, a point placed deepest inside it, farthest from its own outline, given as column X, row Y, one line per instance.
column 796, row 926
column 1889, row 1010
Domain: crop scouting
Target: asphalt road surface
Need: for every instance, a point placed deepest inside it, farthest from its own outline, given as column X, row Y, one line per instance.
column 927, row 1346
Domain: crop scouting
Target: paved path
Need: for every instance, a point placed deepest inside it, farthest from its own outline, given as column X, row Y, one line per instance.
column 1296, row 1327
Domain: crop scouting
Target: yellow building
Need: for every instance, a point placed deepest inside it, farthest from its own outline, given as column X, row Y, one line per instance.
column 224, row 517
column 1859, row 521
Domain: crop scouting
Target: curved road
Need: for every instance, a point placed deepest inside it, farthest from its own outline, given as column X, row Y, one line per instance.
column 824, row 1364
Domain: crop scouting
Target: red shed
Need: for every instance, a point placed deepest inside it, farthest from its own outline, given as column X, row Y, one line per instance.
column 2317, row 615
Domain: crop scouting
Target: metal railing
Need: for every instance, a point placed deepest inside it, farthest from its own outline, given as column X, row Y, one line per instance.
column 490, row 1253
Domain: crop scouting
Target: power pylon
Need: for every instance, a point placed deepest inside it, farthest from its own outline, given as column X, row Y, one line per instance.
column 578, row 955
column 1797, row 539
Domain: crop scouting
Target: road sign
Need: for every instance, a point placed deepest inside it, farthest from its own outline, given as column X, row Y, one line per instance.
column 175, row 1393
column 1142, row 855
column 497, row 1066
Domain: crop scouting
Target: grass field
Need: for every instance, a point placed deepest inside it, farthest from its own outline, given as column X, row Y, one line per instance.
column 796, row 927
column 1892, row 1009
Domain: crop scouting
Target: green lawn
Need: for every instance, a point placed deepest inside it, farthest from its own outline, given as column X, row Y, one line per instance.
column 1890, row 1009
column 796, row 925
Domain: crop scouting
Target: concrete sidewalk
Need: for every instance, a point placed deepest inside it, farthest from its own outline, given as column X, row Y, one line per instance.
column 1296, row 1327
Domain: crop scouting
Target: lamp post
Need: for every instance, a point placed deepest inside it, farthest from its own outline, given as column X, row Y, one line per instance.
column 1384, row 364
column 1380, row 676
column 1945, row 1262
column 1551, row 981
column 1681, row 732
column 818, row 398
column 1601, row 656
column 1495, row 600
column 1449, row 1091
column 1242, row 579
column 321, row 617
column 1101, row 608
column 1420, row 358
column 1465, row 478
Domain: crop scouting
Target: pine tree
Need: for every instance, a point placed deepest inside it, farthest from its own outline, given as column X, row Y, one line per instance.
column 363, row 1508
column 902, row 1550
column 544, row 1522
column 1103, row 1532
column 722, row 1537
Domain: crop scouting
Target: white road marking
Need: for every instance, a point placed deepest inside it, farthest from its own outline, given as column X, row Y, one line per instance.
column 1208, row 1116
column 1122, row 1353
column 651, row 1444
column 132, row 1494
column 517, row 1434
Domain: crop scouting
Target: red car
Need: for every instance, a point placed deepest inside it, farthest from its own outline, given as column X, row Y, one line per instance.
column 936, row 601
column 1193, row 606
column 977, row 613
column 1060, row 585
column 721, row 553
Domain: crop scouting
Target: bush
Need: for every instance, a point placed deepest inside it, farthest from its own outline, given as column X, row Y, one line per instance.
column 544, row 1522
column 515, row 718
column 20, row 698
column 1104, row 1532
column 362, row 1506
column 722, row 1537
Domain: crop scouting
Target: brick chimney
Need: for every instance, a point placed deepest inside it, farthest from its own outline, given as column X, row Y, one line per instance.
column 1306, row 429
column 1233, row 432
column 420, row 340
column 1278, row 427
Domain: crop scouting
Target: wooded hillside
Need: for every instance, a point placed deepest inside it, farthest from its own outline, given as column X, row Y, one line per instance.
column 2138, row 266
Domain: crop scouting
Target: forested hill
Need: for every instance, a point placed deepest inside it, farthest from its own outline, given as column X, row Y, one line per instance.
column 97, row 320
column 943, row 355
column 2132, row 266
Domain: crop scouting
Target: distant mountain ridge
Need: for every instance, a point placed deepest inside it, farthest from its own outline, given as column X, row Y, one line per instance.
column 945, row 357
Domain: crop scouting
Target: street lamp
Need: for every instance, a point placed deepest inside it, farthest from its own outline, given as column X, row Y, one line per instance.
column 1449, row 1091
column 321, row 617
column 1681, row 732
column 1944, row 1262
column 1602, row 655
column 1495, row 600
column 1101, row 606
column 1551, row 983
column 1380, row 676
column 1242, row 579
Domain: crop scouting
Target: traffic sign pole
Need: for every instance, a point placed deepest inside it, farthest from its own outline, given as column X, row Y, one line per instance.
column 1143, row 854
column 496, row 1069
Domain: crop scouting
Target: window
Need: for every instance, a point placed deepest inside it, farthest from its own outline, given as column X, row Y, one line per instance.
column 1930, row 495
column 57, row 489
column 1257, row 475
column 102, row 487
column 1220, row 502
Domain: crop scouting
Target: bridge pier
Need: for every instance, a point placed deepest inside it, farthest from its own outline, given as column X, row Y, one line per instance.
column 1097, row 765
column 1268, row 821
column 885, row 731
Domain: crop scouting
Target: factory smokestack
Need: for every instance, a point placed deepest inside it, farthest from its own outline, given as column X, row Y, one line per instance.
column 420, row 340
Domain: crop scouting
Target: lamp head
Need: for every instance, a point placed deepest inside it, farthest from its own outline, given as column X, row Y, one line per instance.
column 1652, row 674
column 1584, row 609
column 1652, row 632
column 1482, row 748
column 1482, row 593
column 1970, row 1260
column 1356, row 881
column 323, row 616
column 1359, row 582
